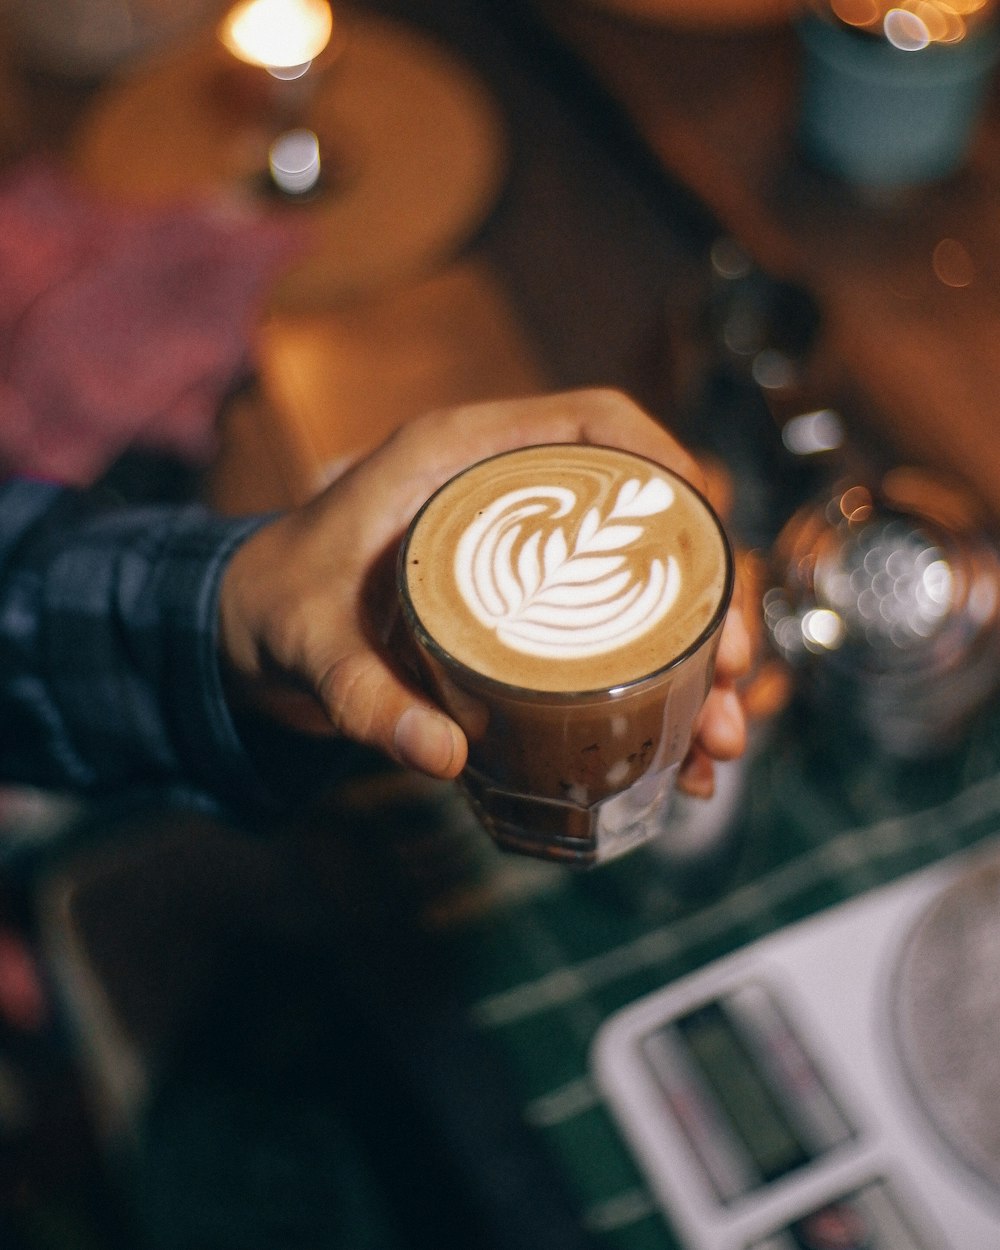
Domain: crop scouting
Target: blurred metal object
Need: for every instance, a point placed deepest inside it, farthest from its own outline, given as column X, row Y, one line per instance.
column 885, row 602
column 753, row 312
column 758, row 335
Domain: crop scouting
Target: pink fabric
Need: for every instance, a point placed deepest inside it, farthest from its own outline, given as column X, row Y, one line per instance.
column 121, row 327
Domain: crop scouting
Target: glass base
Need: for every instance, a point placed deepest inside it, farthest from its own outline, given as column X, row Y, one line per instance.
column 571, row 833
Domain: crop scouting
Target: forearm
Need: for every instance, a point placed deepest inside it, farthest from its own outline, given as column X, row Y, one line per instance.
column 108, row 668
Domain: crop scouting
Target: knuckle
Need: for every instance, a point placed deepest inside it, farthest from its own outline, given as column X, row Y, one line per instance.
column 348, row 690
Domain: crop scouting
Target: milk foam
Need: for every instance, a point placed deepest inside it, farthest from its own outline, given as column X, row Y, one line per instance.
column 563, row 591
column 565, row 568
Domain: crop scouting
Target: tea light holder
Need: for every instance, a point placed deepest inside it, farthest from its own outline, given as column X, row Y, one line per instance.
column 384, row 157
column 286, row 47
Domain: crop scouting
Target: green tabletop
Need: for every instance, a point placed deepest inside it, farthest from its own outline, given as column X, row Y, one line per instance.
column 541, row 956
column 473, row 983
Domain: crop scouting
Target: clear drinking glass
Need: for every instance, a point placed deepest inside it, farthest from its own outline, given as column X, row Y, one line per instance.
column 582, row 775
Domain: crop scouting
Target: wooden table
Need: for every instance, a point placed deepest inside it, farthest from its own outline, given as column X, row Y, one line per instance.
column 909, row 289
column 334, row 383
column 382, row 316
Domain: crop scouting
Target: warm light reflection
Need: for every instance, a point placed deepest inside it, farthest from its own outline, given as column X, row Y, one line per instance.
column 822, row 629
column 906, row 31
column 863, row 13
column 294, row 161
column 952, row 264
column 811, row 433
column 856, row 504
column 278, row 34
column 911, row 25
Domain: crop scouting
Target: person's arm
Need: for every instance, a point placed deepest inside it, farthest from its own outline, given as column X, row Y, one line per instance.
column 134, row 641
column 108, row 645
column 308, row 602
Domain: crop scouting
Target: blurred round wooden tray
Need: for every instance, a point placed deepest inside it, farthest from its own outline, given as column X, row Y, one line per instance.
column 418, row 143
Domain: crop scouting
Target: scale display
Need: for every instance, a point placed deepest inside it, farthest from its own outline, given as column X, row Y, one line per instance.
column 769, row 1098
column 744, row 1092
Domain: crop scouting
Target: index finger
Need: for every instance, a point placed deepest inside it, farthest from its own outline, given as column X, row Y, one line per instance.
column 462, row 436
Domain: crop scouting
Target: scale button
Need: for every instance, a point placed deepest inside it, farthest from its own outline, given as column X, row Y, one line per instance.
column 867, row 1219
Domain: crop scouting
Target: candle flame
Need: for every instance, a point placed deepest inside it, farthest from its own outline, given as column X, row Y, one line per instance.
column 277, row 33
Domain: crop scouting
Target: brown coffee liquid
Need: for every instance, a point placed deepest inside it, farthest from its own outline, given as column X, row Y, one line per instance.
column 566, row 567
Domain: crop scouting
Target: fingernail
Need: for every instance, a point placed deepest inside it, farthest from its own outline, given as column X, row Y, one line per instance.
column 697, row 776
column 731, row 730
column 743, row 649
column 426, row 741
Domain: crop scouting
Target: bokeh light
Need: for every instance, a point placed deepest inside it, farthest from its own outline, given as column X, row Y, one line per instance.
column 912, row 25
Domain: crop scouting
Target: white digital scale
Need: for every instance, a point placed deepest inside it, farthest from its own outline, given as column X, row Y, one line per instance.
column 834, row 1086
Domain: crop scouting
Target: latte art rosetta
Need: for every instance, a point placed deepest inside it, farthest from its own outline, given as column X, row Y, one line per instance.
column 553, row 585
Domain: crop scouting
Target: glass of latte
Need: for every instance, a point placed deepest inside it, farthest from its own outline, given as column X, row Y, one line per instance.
column 565, row 602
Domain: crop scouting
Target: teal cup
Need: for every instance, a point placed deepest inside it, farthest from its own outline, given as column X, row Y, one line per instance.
column 881, row 117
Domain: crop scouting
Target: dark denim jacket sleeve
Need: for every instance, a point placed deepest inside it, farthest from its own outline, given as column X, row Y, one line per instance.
column 108, row 667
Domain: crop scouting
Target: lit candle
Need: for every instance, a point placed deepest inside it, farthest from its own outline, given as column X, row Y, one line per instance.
column 277, row 34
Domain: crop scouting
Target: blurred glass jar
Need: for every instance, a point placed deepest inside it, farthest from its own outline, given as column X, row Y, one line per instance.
column 885, row 603
column 81, row 39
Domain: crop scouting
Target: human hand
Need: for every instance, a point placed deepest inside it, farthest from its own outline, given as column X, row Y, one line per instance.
column 308, row 602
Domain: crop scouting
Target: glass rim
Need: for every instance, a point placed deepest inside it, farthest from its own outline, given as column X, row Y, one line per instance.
column 467, row 675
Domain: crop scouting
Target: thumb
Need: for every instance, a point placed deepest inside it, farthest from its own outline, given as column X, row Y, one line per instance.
column 427, row 740
column 367, row 702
